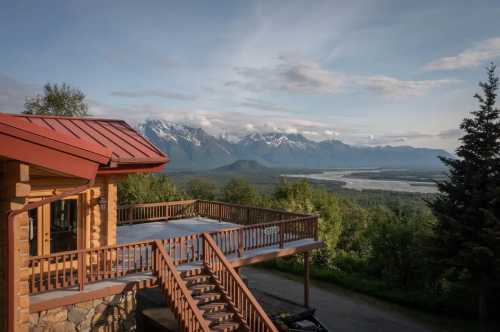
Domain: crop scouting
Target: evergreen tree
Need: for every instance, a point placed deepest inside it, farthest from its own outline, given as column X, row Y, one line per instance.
column 468, row 205
column 57, row 100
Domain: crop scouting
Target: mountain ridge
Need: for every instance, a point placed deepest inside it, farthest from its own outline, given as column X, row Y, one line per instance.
column 191, row 148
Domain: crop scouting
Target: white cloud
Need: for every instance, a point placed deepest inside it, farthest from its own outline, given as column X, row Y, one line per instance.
column 260, row 105
column 472, row 57
column 153, row 93
column 13, row 94
column 393, row 87
column 329, row 132
column 310, row 78
column 249, row 127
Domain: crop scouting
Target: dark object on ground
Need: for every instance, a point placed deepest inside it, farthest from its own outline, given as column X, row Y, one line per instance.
column 301, row 322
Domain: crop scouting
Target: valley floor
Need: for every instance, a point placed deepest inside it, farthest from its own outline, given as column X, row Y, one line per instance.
column 342, row 310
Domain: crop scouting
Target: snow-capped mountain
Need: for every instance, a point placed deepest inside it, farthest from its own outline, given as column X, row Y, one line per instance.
column 187, row 147
column 194, row 149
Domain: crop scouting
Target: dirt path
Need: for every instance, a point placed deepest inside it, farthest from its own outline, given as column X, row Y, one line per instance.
column 342, row 310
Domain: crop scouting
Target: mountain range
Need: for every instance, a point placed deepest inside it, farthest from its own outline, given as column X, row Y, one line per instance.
column 192, row 148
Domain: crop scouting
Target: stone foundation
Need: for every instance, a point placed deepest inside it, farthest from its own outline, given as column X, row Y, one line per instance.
column 113, row 313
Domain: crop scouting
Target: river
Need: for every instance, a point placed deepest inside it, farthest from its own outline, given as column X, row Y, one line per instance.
column 369, row 184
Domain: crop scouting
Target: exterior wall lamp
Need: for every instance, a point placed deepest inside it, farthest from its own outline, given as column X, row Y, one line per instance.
column 103, row 203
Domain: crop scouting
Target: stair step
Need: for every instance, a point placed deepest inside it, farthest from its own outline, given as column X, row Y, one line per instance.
column 226, row 327
column 197, row 279
column 191, row 272
column 219, row 317
column 213, row 307
column 207, row 298
column 202, row 288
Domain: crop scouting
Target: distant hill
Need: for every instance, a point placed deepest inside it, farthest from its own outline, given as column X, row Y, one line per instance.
column 242, row 166
column 194, row 149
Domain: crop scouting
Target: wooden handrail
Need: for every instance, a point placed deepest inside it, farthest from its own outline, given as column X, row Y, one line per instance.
column 169, row 203
column 133, row 213
column 236, row 213
column 255, row 208
column 238, row 294
column 79, row 267
column 175, row 302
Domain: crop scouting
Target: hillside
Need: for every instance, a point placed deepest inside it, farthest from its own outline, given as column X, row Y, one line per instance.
column 243, row 166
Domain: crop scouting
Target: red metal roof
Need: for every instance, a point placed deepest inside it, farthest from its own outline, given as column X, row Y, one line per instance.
column 131, row 152
column 32, row 144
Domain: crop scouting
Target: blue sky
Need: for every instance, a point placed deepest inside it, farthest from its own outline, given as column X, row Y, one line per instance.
column 365, row 72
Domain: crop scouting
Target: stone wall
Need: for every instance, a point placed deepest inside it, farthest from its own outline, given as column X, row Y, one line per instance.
column 113, row 313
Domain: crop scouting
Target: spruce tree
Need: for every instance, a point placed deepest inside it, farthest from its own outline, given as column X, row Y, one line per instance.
column 468, row 205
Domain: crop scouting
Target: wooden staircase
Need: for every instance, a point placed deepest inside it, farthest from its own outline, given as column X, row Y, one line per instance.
column 211, row 301
column 211, row 298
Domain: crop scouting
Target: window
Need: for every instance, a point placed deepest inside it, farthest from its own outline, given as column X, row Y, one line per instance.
column 63, row 225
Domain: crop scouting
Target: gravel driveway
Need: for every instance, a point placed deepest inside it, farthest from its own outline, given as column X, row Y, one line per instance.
column 342, row 310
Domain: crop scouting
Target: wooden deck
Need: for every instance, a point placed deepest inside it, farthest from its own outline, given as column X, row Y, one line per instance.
column 161, row 244
column 66, row 296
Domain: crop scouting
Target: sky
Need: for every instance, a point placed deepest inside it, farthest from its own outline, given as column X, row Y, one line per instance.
column 366, row 72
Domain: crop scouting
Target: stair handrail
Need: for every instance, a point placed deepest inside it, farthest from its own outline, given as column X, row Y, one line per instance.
column 209, row 244
column 179, row 309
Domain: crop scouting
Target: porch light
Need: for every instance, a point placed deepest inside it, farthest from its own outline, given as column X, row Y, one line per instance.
column 103, row 203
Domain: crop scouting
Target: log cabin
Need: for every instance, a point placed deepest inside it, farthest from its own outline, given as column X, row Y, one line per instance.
column 74, row 260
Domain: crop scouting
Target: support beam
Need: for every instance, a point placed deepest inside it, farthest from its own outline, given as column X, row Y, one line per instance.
column 306, row 279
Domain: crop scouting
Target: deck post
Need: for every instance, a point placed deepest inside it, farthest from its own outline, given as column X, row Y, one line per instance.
column 306, row 279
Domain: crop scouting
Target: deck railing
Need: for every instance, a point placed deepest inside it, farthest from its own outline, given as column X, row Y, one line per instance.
column 234, row 213
column 134, row 213
column 176, row 293
column 261, row 228
column 239, row 296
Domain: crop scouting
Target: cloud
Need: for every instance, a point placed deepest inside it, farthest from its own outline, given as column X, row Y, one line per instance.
column 393, row 87
column 303, row 78
column 472, row 57
column 153, row 93
column 329, row 132
column 261, row 105
column 451, row 134
column 309, row 78
column 13, row 94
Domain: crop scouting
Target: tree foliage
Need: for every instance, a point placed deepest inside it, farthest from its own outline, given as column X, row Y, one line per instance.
column 60, row 100
column 239, row 191
column 201, row 189
column 147, row 188
column 468, row 206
